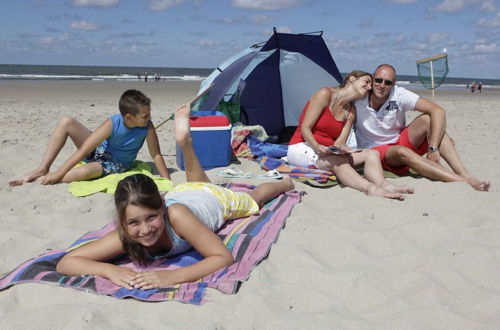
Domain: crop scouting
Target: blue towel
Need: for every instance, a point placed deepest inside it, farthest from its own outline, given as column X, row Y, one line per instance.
column 260, row 148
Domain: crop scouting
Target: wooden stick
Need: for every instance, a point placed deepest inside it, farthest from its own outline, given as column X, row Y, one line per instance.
column 191, row 102
column 432, row 58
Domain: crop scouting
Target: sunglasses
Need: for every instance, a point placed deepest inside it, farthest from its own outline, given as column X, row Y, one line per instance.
column 386, row 82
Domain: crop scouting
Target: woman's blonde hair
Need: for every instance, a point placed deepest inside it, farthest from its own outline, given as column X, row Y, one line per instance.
column 356, row 73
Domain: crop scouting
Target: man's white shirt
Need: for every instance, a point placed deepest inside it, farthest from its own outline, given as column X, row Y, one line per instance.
column 381, row 127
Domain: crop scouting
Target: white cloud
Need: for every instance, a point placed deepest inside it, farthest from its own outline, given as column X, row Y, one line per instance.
column 451, row 6
column 260, row 19
column 486, row 48
column 83, row 25
column 95, row 3
column 488, row 6
column 493, row 23
column 47, row 41
column 281, row 29
column 265, row 4
column 436, row 37
column 207, row 43
column 227, row 20
column 368, row 22
column 159, row 5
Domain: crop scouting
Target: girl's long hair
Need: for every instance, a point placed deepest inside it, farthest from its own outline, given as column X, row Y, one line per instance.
column 140, row 190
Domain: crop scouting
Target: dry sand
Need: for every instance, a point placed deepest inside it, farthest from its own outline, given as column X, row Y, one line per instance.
column 344, row 260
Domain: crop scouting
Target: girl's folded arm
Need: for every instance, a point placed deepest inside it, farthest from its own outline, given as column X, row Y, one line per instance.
column 91, row 258
column 203, row 240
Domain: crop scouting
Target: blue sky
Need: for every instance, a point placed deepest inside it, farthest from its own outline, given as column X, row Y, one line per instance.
column 202, row 33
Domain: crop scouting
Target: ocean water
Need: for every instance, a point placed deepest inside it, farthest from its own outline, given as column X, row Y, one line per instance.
column 97, row 73
column 121, row 73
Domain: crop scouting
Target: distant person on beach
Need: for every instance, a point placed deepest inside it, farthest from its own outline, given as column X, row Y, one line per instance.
column 145, row 77
column 111, row 148
column 381, row 125
column 326, row 121
column 152, row 226
column 480, row 87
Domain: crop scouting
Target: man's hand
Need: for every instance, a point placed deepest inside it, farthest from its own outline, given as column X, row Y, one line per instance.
column 434, row 156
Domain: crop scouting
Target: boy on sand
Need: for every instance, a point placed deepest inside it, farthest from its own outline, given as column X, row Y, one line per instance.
column 111, row 148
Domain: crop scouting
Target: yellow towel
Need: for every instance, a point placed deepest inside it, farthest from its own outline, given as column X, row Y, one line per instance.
column 108, row 183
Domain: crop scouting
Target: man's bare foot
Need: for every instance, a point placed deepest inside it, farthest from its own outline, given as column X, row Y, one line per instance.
column 478, row 185
column 29, row 177
column 398, row 189
column 381, row 192
column 182, row 135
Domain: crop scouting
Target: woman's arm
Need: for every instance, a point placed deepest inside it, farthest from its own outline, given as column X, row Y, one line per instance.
column 317, row 103
column 92, row 142
column 90, row 259
column 154, row 151
column 202, row 239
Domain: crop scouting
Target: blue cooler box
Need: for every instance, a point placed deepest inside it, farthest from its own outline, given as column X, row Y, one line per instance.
column 211, row 132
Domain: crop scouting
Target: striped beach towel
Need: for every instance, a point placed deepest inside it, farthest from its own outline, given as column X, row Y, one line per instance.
column 249, row 239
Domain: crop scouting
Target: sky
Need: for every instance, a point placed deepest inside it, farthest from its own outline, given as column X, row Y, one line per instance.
column 202, row 33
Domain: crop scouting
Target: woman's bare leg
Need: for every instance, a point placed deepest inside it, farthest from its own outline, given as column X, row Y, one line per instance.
column 374, row 172
column 349, row 177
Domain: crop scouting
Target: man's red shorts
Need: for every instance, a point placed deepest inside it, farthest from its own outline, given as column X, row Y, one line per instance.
column 403, row 141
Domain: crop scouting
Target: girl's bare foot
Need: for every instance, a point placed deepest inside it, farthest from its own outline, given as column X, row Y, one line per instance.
column 381, row 192
column 182, row 135
column 397, row 189
column 288, row 182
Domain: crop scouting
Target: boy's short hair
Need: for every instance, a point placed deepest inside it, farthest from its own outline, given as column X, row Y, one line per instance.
column 131, row 101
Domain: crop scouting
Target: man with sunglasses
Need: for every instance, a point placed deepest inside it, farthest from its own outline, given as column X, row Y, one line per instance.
column 381, row 125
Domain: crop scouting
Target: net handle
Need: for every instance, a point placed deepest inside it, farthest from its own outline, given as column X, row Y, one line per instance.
column 190, row 102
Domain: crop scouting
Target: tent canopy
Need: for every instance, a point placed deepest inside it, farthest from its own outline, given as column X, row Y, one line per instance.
column 273, row 80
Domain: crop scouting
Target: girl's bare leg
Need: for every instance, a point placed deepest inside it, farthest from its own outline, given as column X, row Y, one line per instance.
column 267, row 191
column 194, row 171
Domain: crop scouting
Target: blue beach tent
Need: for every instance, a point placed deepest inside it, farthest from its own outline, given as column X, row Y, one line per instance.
column 273, row 80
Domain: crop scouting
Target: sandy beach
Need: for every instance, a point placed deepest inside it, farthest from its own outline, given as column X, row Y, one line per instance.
column 343, row 261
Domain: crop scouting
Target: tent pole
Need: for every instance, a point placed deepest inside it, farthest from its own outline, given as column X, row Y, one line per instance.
column 432, row 81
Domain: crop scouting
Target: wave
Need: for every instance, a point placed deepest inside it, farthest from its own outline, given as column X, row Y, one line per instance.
column 121, row 77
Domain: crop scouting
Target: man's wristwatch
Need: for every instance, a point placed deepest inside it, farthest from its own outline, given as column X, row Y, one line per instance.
column 433, row 148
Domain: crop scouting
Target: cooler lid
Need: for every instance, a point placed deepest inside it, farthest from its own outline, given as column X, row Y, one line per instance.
column 208, row 119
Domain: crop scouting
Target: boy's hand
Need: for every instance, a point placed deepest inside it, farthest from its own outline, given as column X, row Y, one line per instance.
column 50, row 178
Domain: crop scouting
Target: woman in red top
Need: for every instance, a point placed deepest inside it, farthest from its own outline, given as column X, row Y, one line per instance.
column 326, row 121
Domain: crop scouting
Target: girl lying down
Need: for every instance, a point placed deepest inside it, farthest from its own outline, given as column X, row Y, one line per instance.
column 152, row 226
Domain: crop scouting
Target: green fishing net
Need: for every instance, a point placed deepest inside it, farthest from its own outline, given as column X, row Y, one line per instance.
column 433, row 70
